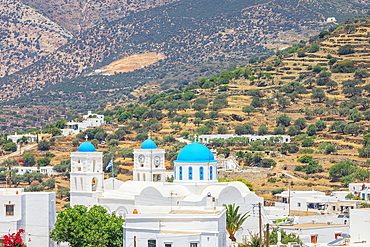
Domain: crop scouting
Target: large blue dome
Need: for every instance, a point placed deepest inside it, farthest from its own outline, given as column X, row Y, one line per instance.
column 195, row 152
column 86, row 147
column 148, row 144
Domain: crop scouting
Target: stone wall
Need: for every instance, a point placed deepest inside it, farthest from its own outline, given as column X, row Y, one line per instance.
column 251, row 176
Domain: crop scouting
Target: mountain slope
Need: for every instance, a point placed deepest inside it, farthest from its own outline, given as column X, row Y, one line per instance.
column 26, row 36
column 79, row 15
column 187, row 32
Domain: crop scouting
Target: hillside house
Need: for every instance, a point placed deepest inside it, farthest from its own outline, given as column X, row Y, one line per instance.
column 208, row 138
column 89, row 121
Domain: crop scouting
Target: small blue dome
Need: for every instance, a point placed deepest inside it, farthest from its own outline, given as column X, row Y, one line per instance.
column 86, row 147
column 148, row 144
column 195, row 152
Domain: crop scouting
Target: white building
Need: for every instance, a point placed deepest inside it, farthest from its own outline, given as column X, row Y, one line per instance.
column 165, row 226
column 195, row 181
column 360, row 189
column 44, row 170
column 312, row 201
column 359, row 225
column 331, row 19
column 30, row 138
column 89, row 121
column 32, row 211
column 208, row 138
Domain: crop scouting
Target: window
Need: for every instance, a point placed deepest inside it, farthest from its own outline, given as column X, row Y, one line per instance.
column 9, row 209
column 193, row 245
column 190, row 173
column 175, row 173
column 299, row 204
column 201, row 173
column 152, row 243
column 211, row 173
column 167, row 245
column 333, row 208
column 79, row 169
column 314, row 239
column 180, row 172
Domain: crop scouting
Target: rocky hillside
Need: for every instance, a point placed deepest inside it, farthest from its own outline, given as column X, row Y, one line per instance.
column 233, row 30
column 79, row 15
column 26, row 36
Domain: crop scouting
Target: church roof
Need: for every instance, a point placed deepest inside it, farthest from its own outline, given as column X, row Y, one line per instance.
column 195, row 152
column 86, row 147
column 148, row 144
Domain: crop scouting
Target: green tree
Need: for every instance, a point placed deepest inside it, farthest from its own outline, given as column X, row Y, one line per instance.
column 311, row 130
column 60, row 124
column 10, row 147
column 79, row 227
column 221, row 129
column 263, row 130
column 300, row 123
column 292, row 131
column 283, row 120
column 321, row 125
column 75, row 143
column 43, row 161
column 28, row 159
column 318, row 93
column 43, row 145
column 248, row 109
column 346, row 49
column 198, row 121
column 234, row 220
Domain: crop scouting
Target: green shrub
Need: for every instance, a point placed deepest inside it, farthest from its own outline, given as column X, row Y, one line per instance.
column 307, row 151
column 305, row 159
column 277, row 191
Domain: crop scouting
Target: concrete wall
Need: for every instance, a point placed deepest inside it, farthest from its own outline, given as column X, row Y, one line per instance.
column 359, row 221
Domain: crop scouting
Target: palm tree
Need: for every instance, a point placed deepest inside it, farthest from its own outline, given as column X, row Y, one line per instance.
column 234, row 220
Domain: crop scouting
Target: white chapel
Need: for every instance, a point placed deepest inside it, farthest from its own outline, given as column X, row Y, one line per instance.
column 195, row 195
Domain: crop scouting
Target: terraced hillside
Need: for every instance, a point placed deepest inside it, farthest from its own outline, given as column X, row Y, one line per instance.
column 233, row 30
column 26, row 36
column 316, row 92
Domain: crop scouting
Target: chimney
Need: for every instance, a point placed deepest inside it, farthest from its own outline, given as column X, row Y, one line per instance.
column 209, row 201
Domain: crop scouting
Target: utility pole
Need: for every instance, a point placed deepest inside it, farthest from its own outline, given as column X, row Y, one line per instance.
column 267, row 234
column 134, row 241
column 289, row 200
column 260, row 222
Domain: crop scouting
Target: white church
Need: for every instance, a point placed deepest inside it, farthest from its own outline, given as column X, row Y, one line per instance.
column 187, row 212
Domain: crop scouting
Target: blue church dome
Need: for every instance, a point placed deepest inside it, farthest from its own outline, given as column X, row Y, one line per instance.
column 86, row 147
column 148, row 144
column 195, row 152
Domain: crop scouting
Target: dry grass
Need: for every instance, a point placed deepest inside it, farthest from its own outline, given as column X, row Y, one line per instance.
column 133, row 62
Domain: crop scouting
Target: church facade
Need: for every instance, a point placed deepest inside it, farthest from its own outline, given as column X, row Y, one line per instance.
column 195, row 184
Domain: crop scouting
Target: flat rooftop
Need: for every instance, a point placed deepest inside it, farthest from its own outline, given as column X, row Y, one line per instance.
column 310, row 225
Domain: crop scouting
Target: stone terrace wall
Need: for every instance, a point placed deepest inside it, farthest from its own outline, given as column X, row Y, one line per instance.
column 249, row 175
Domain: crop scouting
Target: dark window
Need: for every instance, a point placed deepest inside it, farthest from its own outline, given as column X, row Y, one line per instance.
column 152, row 243
column 9, row 210
column 193, row 245
column 167, row 245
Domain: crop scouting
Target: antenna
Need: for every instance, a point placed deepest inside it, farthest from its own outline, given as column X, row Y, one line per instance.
column 151, row 157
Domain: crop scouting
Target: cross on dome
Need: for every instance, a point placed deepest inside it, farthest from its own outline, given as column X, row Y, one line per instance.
column 86, row 137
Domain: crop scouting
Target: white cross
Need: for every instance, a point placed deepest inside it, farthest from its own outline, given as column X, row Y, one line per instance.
column 149, row 135
column 195, row 137
column 86, row 137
